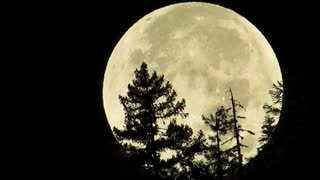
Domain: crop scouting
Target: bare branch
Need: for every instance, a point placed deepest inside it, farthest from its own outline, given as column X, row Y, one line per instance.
column 227, row 141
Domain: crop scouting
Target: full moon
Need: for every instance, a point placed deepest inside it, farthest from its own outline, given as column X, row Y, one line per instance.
column 203, row 50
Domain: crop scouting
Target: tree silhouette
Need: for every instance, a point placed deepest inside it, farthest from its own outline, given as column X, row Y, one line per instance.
column 220, row 125
column 272, row 112
column 276, row 92
column 150, row 126
column 191, row 168
column 225, row 122
column 236, row 128
column 267, row 129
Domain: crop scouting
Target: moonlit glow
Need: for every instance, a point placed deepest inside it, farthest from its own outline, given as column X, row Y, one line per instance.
column 202, row 49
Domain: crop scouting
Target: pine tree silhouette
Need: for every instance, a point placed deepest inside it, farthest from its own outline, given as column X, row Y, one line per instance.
column 220, row 125
column 224, row 161
column 237, row 128
column 267, row 129
column 151, row 111
column 272, row 112
column 190, row 168
column 276, row 92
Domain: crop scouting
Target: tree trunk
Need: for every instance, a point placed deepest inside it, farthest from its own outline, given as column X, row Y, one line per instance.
column 236, row 132
column 219, row 164
column 151, row 145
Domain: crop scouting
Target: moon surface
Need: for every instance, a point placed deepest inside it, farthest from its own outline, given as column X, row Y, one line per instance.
column 202, row 49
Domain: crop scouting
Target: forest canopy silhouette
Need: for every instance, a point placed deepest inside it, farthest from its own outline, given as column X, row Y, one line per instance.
column 154, row 126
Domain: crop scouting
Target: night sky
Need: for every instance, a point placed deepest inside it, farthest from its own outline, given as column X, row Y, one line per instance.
column 55, row 124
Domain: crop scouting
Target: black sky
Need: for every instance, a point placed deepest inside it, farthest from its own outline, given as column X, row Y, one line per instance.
column 55, row 124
